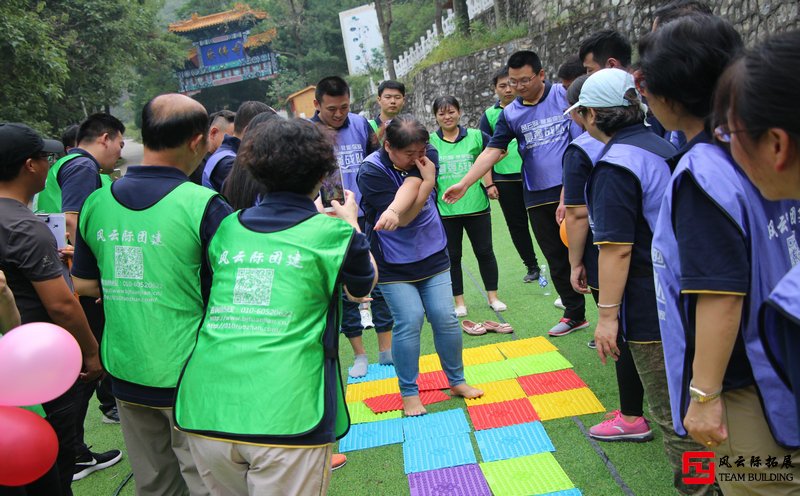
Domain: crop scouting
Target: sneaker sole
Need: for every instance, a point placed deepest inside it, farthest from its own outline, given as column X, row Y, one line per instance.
column 107, row 420
column 569, row 331
column 622, row 438
column 337, row 467
column 90, row 469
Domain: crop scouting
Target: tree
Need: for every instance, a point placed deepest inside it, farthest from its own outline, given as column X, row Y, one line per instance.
column 462, row 17
column 384, row 10
column 437, row 17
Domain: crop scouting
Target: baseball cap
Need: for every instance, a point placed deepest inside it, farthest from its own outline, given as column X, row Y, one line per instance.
column 19, row 142
column 605, row 88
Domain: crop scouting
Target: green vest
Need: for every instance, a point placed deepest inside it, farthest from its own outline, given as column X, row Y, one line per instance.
column 49, row 199
column 373, row 125
column 149, row 264
column 259, row 366
column 455, row 160
column 512, row 162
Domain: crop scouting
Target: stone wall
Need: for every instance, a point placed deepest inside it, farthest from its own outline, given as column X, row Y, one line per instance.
column 556, row 28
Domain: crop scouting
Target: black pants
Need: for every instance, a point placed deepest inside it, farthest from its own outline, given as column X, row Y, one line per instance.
column 631, row 391
column 479, row 231
column 543, row 223
column 85, row 390
column 513, row 206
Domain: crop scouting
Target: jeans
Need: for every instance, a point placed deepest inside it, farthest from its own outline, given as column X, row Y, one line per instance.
column 410, row 302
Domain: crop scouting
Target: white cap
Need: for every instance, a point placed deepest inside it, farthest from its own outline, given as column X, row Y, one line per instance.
column 605, row 88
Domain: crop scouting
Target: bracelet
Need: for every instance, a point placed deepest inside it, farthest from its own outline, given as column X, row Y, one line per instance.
column 393, row 211
column 612, row 305
column 701, row 396
column 490, row 185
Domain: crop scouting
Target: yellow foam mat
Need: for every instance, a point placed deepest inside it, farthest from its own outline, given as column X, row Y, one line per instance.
column 482, row 354
column 429, row 363
column 494, row 392
column 364, row 390
column 524, row 347
column 566, row 404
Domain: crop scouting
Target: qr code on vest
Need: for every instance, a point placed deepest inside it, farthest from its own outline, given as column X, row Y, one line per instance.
column 253, row 287
column 128, row 262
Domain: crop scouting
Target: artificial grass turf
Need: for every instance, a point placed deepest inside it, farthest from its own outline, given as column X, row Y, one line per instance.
column 379, row 471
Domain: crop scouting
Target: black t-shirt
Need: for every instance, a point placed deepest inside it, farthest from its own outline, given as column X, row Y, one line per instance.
column 28, row 254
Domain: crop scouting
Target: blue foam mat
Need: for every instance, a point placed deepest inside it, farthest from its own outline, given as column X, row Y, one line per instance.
column 513, row 441
column 372, row 434
column 446, row 423
column 569, row 492
column 375, row 372
column 433, row 453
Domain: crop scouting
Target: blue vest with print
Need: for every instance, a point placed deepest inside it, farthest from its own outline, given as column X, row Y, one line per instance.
column 648, row 163
column 418, row 240
column 211, row 164
column 350, row 149
column 772, row 240
column 543, row 133
column 592, row 148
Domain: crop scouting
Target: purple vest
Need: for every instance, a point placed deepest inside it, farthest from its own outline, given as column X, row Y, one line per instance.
column 590, row 146
column 772, row 242
column 350, row 149
column 783, row 303
column 211, row 164
column 421, row 238
column 543, row 133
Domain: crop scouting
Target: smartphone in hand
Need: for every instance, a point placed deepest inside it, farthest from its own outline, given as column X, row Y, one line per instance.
column 332, row 189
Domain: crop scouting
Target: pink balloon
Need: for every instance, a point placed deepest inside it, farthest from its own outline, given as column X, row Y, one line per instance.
column 38, row 362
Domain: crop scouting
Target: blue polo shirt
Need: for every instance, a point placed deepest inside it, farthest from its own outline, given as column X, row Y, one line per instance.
column 225, row 164
column 140, row 188
column 78, row 178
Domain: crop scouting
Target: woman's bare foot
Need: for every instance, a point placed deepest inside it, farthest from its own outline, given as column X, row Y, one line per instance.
column 412, row 406
column 466, row 391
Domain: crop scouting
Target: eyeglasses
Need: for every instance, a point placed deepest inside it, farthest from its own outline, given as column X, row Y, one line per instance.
column 519, row 82
column 724, row 134
column 50, row 157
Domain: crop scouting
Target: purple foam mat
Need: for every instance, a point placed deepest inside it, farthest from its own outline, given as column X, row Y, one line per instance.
column 465, row 480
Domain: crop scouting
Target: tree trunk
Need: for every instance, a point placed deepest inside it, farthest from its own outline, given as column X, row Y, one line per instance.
column 437, row 18
column 296, row 22
column 462, row 17
column 499, row 15
column 383, row 8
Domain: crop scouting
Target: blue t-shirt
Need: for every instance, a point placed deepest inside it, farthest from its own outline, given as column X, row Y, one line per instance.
column 140, row 188
column 378, row 192
column 78, row 178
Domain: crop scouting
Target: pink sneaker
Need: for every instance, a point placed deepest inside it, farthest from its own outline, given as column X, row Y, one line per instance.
column 617, row 429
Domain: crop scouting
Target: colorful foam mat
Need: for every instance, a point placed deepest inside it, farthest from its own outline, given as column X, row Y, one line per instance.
column 524, row 347
column 464, row 480
column 538, row 364
column 433, row 453
column 429, row 381
column 482, row 354
column 497, row 391
column 566, row 404
column 372, row 434
column 446, row 423
column 533, row 474
column 489, row 372
column 390, row 402
column 513, row 441
column 568, row 492
column 360, row 414
column 429, row 363
column 375, row 372
column 551, row 382
column 502, row 414
column 364, row 390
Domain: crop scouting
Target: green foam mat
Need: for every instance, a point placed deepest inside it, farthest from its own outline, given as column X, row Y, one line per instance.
column 360, row 413
column 538, row 364
column 534, row 474
column 489, row 372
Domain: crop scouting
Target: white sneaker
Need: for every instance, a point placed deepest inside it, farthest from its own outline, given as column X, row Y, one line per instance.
column 498, row 306
column 366, row 319
column 461, row 311
column 558, row 304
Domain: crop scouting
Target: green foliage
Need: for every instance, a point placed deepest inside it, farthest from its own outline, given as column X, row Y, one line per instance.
column 33, row 64
column 456, row 45
column 412, row 19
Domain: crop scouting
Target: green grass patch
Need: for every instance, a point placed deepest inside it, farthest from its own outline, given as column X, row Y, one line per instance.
column 457, row 45
column 379, row 471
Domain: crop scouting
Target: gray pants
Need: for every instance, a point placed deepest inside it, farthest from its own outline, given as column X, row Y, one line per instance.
column 235, row 469
column 158, row 453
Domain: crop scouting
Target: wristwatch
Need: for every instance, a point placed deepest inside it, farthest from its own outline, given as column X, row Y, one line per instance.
column 701, row 396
